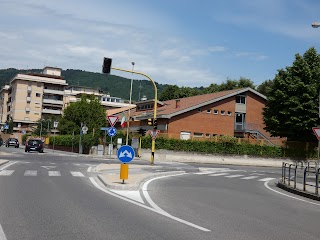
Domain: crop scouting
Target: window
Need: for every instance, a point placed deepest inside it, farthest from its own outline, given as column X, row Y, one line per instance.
column 241, row 99
column 215, row 111
column 29, row 94
column 38, row 94
column 207, row 135
column 197, row 134
column 223, row 112
column 229, row 113
column 199, row 110
column 209, row 111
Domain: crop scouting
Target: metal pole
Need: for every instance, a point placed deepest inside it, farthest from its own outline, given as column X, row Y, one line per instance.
column 72, row 139
column 128, row 120
column 318, row 154
column 154, row 107
column 54, row 139
column 40, row 128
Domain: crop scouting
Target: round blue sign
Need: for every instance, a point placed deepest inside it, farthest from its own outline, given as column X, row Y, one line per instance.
column 125, row 153
column 112, row 131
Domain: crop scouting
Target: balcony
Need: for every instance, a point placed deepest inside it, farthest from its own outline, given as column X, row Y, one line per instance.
column 52, row 101
column 28, row 99
column 29, row 89
column 27, row 109
column 51, row 111
column 51, row 91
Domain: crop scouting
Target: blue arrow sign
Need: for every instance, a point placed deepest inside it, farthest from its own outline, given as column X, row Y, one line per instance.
column 125, row 154
column 112, row 131
column 6, row 126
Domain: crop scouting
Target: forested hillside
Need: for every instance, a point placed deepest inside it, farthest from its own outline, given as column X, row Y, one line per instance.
column 114, row 85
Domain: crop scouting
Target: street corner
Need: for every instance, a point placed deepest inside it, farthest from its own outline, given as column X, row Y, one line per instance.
column 3, row 161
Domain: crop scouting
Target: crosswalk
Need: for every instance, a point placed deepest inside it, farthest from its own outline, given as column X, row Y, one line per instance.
column 234, row 174
column 34, row 173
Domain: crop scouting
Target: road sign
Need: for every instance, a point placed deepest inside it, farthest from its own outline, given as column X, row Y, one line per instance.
column 154, row 133
column 6, row 126
column 85, row 129
column 316, row 131
column 112, row 120
column 112, row 131
column 125, row 154
column 104, row 129
column 55, row 124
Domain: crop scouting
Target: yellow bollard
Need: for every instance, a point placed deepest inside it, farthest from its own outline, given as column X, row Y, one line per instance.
column 124, row 171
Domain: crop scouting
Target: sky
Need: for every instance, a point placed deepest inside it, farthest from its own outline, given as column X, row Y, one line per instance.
column 186, row 43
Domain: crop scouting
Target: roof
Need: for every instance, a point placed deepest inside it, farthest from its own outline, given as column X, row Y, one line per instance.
column 117, row 111
column 170, row 110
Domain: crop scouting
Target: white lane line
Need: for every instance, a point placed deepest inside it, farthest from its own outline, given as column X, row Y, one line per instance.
column 202, row 173
column 7, row 165
column 218, row 174
column 266, row 179
column 267, row 186
column 233, row 176
column 146, row 207
column 2, row 235
column 77, row 174
column 6, row 172
column 54, row 174
column 259, row 174
column 251, row 177
column 89, row 169
column 160, row 210
column 31, row 173
column 134, row 195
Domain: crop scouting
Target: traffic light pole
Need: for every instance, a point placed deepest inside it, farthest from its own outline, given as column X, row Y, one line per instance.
column 153, row 144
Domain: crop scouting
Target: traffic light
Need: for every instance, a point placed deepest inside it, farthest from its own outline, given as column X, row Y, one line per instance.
column 142, row 131
column 106, row 67
column 155, row 123
column 150, row 121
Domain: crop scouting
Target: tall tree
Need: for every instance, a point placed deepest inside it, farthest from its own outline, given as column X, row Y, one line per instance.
column 169, row 92
column 292, row 105
column 265, row 87
column 86, row 111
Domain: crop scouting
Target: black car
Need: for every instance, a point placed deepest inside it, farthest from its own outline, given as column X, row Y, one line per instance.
column 34, row 145
column 12, row 142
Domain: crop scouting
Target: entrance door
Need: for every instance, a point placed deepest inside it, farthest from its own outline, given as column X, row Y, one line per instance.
column 240, row 121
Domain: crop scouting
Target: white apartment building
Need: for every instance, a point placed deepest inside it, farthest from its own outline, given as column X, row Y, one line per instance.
column 32, row 96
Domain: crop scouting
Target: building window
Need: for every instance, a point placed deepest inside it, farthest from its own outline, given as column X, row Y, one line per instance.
column 209, row 111
column 38, row 94
column 223, row 112
column 29, row 94
column 229, row 113
column 215, row 111
column 241, row 99
column 199, row 110
column 197, row 134
column 207, row 135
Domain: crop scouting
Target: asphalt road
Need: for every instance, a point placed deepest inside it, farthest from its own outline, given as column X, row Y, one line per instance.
column 55, row 196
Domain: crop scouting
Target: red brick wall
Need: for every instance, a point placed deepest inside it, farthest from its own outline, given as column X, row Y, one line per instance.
column 204, row 122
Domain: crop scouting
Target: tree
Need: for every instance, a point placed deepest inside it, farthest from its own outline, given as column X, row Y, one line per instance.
column 87, row 111
column 169, row 92
column 265, row 87
column 292, row 106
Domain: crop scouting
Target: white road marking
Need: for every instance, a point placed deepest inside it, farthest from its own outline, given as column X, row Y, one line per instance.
column 259, row 174
column 251, row 177
column 233, row 176
column 2, row 235
column 54, row 174
column 202, row 173
column 149, row 208
column 48, row 167
column 6, row 172
column 218, row 174
column 267, row 186
column 32, row 173
column 7, row 165
column 265, row 179
column 133, row 195
column 89, row 169
column 77, row 174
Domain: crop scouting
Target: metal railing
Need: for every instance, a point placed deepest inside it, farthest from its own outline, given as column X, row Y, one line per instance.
column 304, row 173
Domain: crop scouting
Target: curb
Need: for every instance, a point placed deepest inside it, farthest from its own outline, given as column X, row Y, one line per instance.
column 5, row 162
column 135, row 187
column 298, row 191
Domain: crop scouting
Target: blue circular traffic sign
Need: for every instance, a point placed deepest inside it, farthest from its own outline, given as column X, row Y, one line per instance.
column 125, row 153
column 112, row 131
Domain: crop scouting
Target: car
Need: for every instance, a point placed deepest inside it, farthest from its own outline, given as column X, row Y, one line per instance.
column 12, row 142
column 34, row 145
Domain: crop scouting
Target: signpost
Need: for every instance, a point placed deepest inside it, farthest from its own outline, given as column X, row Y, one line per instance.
column 154, row 133
column 55, row 125
column 125, row 155
column 316, row 131
column 113, row 120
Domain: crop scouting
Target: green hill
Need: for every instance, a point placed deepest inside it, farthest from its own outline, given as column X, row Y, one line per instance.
column 110, row 84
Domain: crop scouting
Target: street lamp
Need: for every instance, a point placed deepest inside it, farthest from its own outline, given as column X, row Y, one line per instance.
column 316, row 25
column 128, row 121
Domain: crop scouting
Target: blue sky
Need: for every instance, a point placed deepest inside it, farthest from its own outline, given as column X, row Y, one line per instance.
column 182, row 42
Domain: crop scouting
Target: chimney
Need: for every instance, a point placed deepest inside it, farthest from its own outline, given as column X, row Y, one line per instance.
column 177, row 103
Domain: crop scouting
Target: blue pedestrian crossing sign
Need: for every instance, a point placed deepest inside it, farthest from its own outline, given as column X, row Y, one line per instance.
column 125, row 153
column 112, row 131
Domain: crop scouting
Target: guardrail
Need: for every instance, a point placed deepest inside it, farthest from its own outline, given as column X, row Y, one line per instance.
column 305, row 173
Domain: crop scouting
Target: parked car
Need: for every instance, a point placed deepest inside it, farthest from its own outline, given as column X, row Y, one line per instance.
column 12, row 142
column 34, row 145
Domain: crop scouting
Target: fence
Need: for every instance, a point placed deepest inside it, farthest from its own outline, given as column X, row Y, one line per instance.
column 306, row 175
